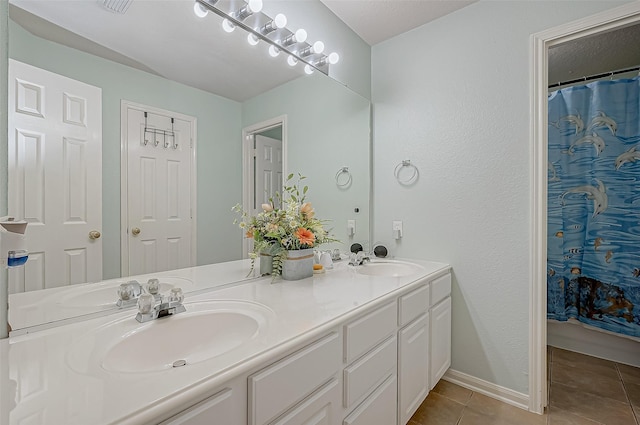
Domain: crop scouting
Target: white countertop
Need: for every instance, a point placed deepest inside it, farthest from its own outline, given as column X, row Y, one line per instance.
column 42, row 381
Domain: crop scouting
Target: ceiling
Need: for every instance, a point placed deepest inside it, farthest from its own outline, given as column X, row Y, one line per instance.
column 378, row 20
column 596, row 54
column 170, row 40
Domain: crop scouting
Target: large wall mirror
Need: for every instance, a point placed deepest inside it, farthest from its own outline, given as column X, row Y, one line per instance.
column 189, row 69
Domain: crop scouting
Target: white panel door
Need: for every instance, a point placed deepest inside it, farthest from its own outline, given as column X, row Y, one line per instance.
column 268, row 171
column 55, row 176
column 159, row 190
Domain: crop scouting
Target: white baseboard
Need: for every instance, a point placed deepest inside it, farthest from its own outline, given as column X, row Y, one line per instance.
column 489, row 389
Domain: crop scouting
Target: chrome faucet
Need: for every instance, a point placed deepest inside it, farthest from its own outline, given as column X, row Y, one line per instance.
column 357, row 259
column 150, row 309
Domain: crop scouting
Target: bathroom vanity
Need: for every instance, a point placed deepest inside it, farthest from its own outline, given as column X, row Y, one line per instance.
column 354, row 345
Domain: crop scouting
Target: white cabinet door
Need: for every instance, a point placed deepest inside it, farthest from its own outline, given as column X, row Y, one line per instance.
column 413, row 367
column 440, row 340
column 217, row 409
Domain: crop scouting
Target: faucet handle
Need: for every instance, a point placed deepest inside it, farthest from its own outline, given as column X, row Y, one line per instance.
column 146, row 303
column 176, row 295
column 153, row 286
column 125, row 291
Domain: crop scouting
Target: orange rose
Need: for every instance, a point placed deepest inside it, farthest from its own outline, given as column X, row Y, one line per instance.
column 249, row 234
column 305, row 236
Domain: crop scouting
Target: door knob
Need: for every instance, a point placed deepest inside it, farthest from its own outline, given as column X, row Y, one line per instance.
column 94, row 234
column 135, row 231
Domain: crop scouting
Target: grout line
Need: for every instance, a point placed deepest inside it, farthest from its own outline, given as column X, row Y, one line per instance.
column 626, row 394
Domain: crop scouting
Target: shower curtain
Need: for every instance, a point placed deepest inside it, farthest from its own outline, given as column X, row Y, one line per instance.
column 593, row 254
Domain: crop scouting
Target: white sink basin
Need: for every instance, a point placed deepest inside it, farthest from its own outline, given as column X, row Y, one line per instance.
column 105, row 294
column 206, row 330
column 388, row 268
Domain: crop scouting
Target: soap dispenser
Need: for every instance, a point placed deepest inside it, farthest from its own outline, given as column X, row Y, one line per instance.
column 13, row 253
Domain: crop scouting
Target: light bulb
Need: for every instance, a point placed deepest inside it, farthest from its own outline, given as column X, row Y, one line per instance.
column 301, row 35
column 252, row 39
column 274, row 51
column 292, row 61
column 308, row 69
column 255, row 5
column 318, row 47
column 228, row 26
column 199, row 10
column 280, row 20
column 333, row 58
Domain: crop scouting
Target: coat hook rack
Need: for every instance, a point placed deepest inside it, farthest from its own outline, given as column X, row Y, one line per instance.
column 157, row 134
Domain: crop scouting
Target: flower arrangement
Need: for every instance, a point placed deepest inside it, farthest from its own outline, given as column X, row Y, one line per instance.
column 286, row 223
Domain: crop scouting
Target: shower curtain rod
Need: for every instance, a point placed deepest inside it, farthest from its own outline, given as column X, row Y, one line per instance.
column 595, row 77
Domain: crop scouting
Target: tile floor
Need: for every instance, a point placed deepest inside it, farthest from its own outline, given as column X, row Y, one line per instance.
column 583, row 391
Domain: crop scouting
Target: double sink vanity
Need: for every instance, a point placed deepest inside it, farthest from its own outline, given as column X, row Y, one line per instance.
column 355, row 345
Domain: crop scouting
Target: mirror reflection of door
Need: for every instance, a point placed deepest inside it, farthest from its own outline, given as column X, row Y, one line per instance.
column 159, row 193
column 55, row 177
column 268, row 169
column 264, row 156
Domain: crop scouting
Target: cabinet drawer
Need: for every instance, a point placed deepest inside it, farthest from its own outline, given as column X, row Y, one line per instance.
column 218, row 407
column 364, row 333
column 413, row 305
column 368, row 372
column 321, row 408
column 379, row 408
column 279, row 386
column 440, row 288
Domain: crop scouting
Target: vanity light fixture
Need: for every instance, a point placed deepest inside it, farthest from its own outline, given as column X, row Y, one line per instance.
column 273, row 31
column 199, row 10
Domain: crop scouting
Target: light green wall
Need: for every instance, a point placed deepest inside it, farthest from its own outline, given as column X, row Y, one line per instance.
column 219, row 167
column 327, row 129
column 459, row 110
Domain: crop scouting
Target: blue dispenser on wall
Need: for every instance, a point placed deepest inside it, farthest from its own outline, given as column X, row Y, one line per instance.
column 13, row 252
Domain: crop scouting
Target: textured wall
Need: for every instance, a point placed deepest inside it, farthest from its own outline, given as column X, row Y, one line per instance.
column 453, row 97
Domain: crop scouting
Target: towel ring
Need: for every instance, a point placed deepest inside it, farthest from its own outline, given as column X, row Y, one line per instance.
column 408, row 180
column 341, row 180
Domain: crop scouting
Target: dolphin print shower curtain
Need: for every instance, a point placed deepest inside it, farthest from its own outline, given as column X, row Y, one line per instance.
column 593, row 254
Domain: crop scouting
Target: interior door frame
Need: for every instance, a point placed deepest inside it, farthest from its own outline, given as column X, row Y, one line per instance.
column 124, row 203
column 247, row 169
column 625, row 15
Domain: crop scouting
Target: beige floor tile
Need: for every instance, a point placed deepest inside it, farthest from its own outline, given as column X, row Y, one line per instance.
column 561, row 417
column 598, row 383
column 437, row 410
column 481, row 406
column 633, row 391
column 453, row 391
column 587, row 363
column 629, row 373
column 473, row 417
column 599, row 409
